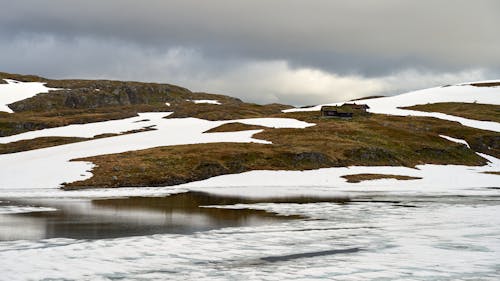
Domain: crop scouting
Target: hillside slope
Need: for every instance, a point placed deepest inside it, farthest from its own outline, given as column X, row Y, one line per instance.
column 41, row 103
column 86, row 133
column 487, row 92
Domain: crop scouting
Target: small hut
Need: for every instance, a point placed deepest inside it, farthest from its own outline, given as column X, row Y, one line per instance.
column 335, row 111
column 357, row 107
column 347, row 110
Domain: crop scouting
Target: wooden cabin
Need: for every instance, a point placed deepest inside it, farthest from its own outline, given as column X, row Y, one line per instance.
column 347, row 110
column 335, row 111
column 354, row 106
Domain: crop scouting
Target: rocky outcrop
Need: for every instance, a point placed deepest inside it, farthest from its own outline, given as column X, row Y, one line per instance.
column 101, row 94
column 91, row 94
column 488, row 144
column 371, row 156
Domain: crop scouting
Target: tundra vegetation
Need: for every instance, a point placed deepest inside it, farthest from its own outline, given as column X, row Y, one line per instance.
column 373, row 139
column 367, row 140
column 476, row 111
column 366, row 177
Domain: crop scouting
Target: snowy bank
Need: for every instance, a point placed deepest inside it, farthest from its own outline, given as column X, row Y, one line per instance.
column 16, row 91
column 458, row 93
column 50, row 167
column 329, row 181
column 206, row 101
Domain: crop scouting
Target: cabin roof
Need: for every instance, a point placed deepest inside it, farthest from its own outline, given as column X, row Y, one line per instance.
column 361, row 105
column 329, row 107
column 346, row 107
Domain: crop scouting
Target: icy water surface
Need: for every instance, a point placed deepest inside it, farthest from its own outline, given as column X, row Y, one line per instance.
column 183, row 213
column 371, row 236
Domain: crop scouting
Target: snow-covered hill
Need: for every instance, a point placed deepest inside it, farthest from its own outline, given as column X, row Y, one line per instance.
column 49, row 167
column 15, row 91
column 462, row 93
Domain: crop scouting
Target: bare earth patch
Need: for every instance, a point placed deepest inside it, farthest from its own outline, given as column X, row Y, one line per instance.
column 376, row 140
column 80, row 101
column 234, row 127
column 367, row 98
column 476, row 111
column 486, row 84
column 44, row 142
column 366, row 177
column 492, row 172
column 371, row 140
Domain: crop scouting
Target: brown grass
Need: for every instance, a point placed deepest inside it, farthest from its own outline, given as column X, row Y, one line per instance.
column 235, row 127
column 186, row 163
column 476, row 111
column 362, row 140
column 492, row 172
column 228, row 111
column 36, row 143
column 84, row 101
column 16, row 123
column 44, row 142
column 367, row 177
column 374, row 140
column 411, row 139
column 486, row 84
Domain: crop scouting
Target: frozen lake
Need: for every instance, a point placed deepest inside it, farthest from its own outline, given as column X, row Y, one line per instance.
column 370, row 235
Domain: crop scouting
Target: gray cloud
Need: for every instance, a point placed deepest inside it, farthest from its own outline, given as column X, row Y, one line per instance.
column 226, row 46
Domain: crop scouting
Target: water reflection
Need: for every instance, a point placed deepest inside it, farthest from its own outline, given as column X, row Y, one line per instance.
column 109, row 218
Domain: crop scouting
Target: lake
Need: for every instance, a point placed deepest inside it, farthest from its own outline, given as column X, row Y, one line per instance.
column 196, row 235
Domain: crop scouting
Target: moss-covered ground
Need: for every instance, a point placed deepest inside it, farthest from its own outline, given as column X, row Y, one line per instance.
column 476, row 111
column 370, row 140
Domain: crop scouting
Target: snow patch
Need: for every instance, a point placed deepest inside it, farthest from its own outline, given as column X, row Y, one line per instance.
column 15, row 91
column 274, row 122
column 455, row 140
column 394, row 242
column 5, row 210
column 49, row 167
column 458, row 93
column 90, row 130
column 27, row 193
column 328, row 181
column 205, row 101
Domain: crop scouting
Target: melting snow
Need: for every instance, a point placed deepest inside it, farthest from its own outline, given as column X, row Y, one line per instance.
column 13, row 209
column 49, row 167
column 455, row 140
column 15, row 91
column 206, row 101
column 457, row 93
column 37, row 171
column 90, row 130
column 328, row 181
column 434, row 241
column 394, row 242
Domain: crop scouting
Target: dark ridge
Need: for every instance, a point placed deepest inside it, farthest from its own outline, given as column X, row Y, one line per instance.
column 367, row 98
column 486, row 84
column 309, row 255
column 79, row 101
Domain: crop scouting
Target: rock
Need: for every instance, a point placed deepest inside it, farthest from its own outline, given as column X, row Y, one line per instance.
column 206, row 170
column 489, row 144
column 316, row 159
column 371, row 155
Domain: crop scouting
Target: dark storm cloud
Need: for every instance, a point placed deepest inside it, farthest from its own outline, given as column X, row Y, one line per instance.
column 205, row 40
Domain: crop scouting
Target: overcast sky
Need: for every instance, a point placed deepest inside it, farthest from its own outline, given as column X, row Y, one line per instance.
column 289, row 51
